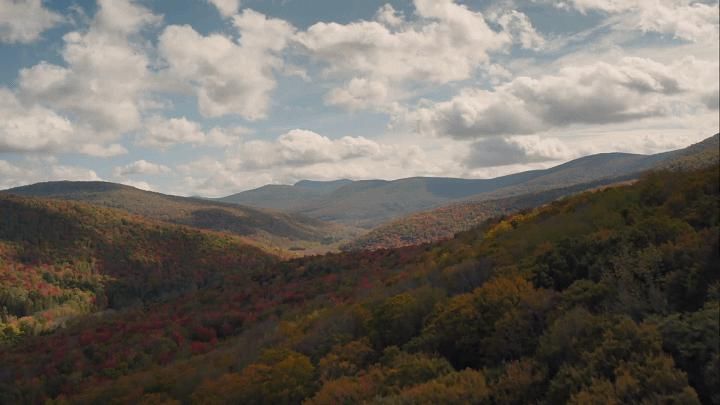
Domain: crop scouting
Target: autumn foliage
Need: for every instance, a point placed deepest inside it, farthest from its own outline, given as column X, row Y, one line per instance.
column 605, row 297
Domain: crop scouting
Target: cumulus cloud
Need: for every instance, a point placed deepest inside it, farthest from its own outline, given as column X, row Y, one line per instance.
column 448, row 47
column 226, row 8
column 106, row 76
column 228, row 77
column 8, row 171
column 105, row 151
column 520, row 28
column 388, row 16
column 500, row 151
column 447, row 42
column 359, row 93
column 28, row 172
column 302, row 154
column 598, row 93
column 162, row 133
column 690, row 20
column 301, row 148
column 34, row 128
column 24, row 21
column 711, row 99
column 30, row 128
column 142, row 185
column 140, row 167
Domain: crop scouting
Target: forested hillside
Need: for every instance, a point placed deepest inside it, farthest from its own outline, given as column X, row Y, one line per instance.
column 61, row 260
column 273, row 230
column 446, row 221
column 369, row 203
column 610, row 296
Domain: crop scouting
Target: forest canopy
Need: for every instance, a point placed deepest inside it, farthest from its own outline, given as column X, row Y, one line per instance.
column 609, row 296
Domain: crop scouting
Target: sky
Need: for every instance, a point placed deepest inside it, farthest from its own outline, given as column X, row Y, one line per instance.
column 212, row 97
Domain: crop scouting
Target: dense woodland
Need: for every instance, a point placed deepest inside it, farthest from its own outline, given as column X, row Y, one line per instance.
column 610, row 296
column 444, row 222
column 272, row 231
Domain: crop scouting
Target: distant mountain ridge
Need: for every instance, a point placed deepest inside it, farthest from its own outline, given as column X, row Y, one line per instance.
column 444, row 222
column 273, row 230
column 322, row 185
column 367, row 203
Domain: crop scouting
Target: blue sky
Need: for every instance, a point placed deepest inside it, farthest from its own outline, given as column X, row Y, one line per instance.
column 212, row 97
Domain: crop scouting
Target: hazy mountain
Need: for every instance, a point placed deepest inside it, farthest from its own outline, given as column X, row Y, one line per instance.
column 322, row 186
column 446, row 221
column 269, row 228
column 370, row 202
column 699, row 155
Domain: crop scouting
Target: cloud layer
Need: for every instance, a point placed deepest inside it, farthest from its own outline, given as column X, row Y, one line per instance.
column 228, row 77
column 441, row 87
column 595, row 94
column 24, row 21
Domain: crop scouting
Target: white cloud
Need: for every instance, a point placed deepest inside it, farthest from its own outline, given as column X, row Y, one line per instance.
column 229, row 77
column 34, row 128
column 123, row 16
column 142, row 185
column 302, row 154
column 62, row 172
column 711, row 99
column 447, row 42
column 29, row 171
column 359, row 93
column 104, row 151
column 389, row 17
column 500, row 151
column 690, row 20
column 24, row 21
column 226, row 8
column 106, row 76
column 31, row 128
column 594, row 94
column 225, row 137
column 140, row 167
column 161, row 133
column 520, row 28
column 8, row 171
column 584, row 95
column 301, row 148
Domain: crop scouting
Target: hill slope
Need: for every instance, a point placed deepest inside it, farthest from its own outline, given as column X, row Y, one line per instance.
column 605, row 297
column 371, row 202
column 446, row 221
column 63, row 259
column 272, row 229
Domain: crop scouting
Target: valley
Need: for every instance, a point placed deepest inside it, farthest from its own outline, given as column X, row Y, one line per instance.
column 107, row 304
column 634, row 265
column 391, row 202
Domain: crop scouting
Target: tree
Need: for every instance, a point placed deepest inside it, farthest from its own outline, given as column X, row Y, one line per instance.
column 281, row 377
column 500, row 320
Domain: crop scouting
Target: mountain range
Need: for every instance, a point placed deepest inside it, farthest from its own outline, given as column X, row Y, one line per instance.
column 312, row 217
column 446, row 221
column 367, row 203
column 272, row 230
column 608, row 296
